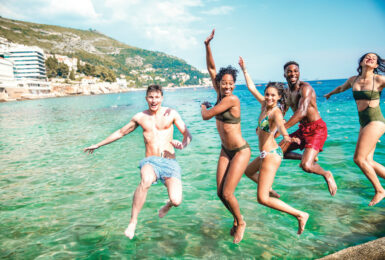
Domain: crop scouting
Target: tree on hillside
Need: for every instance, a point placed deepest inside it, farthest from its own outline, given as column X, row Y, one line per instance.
column 72, row 75
column 51, row 65
column 62, row 70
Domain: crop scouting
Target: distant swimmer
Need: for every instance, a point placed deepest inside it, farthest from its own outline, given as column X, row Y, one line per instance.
column 312, row 131
column 159, row 164
column 269, row 122
column 367, row 87
column 235, row 152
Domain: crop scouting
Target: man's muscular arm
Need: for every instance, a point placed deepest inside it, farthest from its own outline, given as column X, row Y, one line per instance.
column 185, row 132
column 303, row 105
column 131, row 126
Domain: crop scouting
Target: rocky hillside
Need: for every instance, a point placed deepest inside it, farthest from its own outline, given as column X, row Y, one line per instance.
column 142, row 66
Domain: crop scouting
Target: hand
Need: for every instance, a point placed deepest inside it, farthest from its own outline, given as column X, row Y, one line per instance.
column 296, row 140
column 177, row 144
column 206, row 104
column 91, row 149
column 328, row 95
column 241, row 63
column 211, row 36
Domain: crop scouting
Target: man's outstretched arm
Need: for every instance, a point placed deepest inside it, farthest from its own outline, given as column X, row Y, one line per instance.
column 184, row 131
column 131, row 126
column 303, row 106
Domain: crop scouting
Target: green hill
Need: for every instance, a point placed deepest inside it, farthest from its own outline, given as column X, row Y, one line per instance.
column 97, row 49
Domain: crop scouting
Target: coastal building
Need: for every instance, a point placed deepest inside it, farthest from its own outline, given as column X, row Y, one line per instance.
column 27, row 78
column 28, row 61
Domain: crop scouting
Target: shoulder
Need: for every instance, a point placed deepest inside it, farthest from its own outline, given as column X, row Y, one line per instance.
column 170, row 112
column 232, row 98
column 306, row 89
column 138, row 117
column 380, row 78
column 352, row 79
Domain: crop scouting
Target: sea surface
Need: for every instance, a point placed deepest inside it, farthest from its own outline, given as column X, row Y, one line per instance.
column 56, row 202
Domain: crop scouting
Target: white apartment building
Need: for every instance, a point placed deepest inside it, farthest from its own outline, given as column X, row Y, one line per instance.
column 28, row 61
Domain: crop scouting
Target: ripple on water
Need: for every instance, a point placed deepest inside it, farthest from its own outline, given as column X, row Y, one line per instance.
column 57, row 202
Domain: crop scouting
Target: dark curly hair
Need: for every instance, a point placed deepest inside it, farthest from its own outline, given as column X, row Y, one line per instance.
column 290, row 63
column 227, row 70
column 279, row 86
column 380, row 62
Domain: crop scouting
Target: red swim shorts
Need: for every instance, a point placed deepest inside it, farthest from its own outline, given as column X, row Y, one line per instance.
column 312, row 135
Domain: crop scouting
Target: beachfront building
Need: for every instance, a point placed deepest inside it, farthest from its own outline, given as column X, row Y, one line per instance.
column 28, row 68
column 7, row 80
column 28, row 62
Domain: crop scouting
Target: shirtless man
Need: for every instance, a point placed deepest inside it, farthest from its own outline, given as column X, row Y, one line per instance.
column 312, row 131
column 159, row 164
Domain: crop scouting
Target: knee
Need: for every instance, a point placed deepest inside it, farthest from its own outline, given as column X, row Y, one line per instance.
column 146, row 182
column 227, row 195
column 306, row 166
column 359, row 160
column 263, row 199
column 176, row 201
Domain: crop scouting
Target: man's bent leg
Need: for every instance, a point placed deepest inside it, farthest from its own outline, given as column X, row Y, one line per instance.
column 148, row 177
column 174, row 189
column 308, row 164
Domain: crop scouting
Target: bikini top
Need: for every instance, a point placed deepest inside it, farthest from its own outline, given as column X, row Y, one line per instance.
column 366, row 94
column 264, row 123
column 227, row 117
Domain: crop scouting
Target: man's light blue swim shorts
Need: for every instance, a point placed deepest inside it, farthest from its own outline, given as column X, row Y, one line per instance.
column 163, row 167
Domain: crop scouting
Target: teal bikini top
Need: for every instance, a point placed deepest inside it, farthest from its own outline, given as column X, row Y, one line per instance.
column 264, row 123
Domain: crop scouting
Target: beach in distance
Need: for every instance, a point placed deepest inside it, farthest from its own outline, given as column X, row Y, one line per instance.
column 57, row 202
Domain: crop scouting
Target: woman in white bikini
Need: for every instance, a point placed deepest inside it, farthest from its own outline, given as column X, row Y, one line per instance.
column 267, row 164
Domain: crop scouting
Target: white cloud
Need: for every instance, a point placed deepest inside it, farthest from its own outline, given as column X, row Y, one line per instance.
column 49, row 9
column 165, row 22
column 78, row 8
column 222, row 10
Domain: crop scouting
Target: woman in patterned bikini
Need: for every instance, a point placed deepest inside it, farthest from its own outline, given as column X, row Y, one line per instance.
column 267, row 164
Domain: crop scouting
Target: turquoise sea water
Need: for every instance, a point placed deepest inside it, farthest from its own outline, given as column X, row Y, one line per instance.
column 58, row 203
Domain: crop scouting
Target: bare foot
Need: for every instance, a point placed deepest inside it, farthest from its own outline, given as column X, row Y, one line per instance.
column 331, row 183
column 130, row 230
column 163, row 211
column 302, row 219
column 316, row 159
column 274, row 194
column 377, row 198
column 238, row 236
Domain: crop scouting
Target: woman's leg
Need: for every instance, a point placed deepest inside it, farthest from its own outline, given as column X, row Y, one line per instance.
column 223, row 165
column 378, row 168
column 236, row 169
column 269, row 167
column 366, row 143
column 252, row 172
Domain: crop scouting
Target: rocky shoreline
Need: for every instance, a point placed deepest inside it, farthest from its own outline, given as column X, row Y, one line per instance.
column 19, row 94
column 371, row 250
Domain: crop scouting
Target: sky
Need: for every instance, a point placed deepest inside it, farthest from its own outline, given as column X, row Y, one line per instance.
column 325, row 37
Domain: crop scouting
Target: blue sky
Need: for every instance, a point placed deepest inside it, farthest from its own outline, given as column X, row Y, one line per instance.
column 325, row 37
